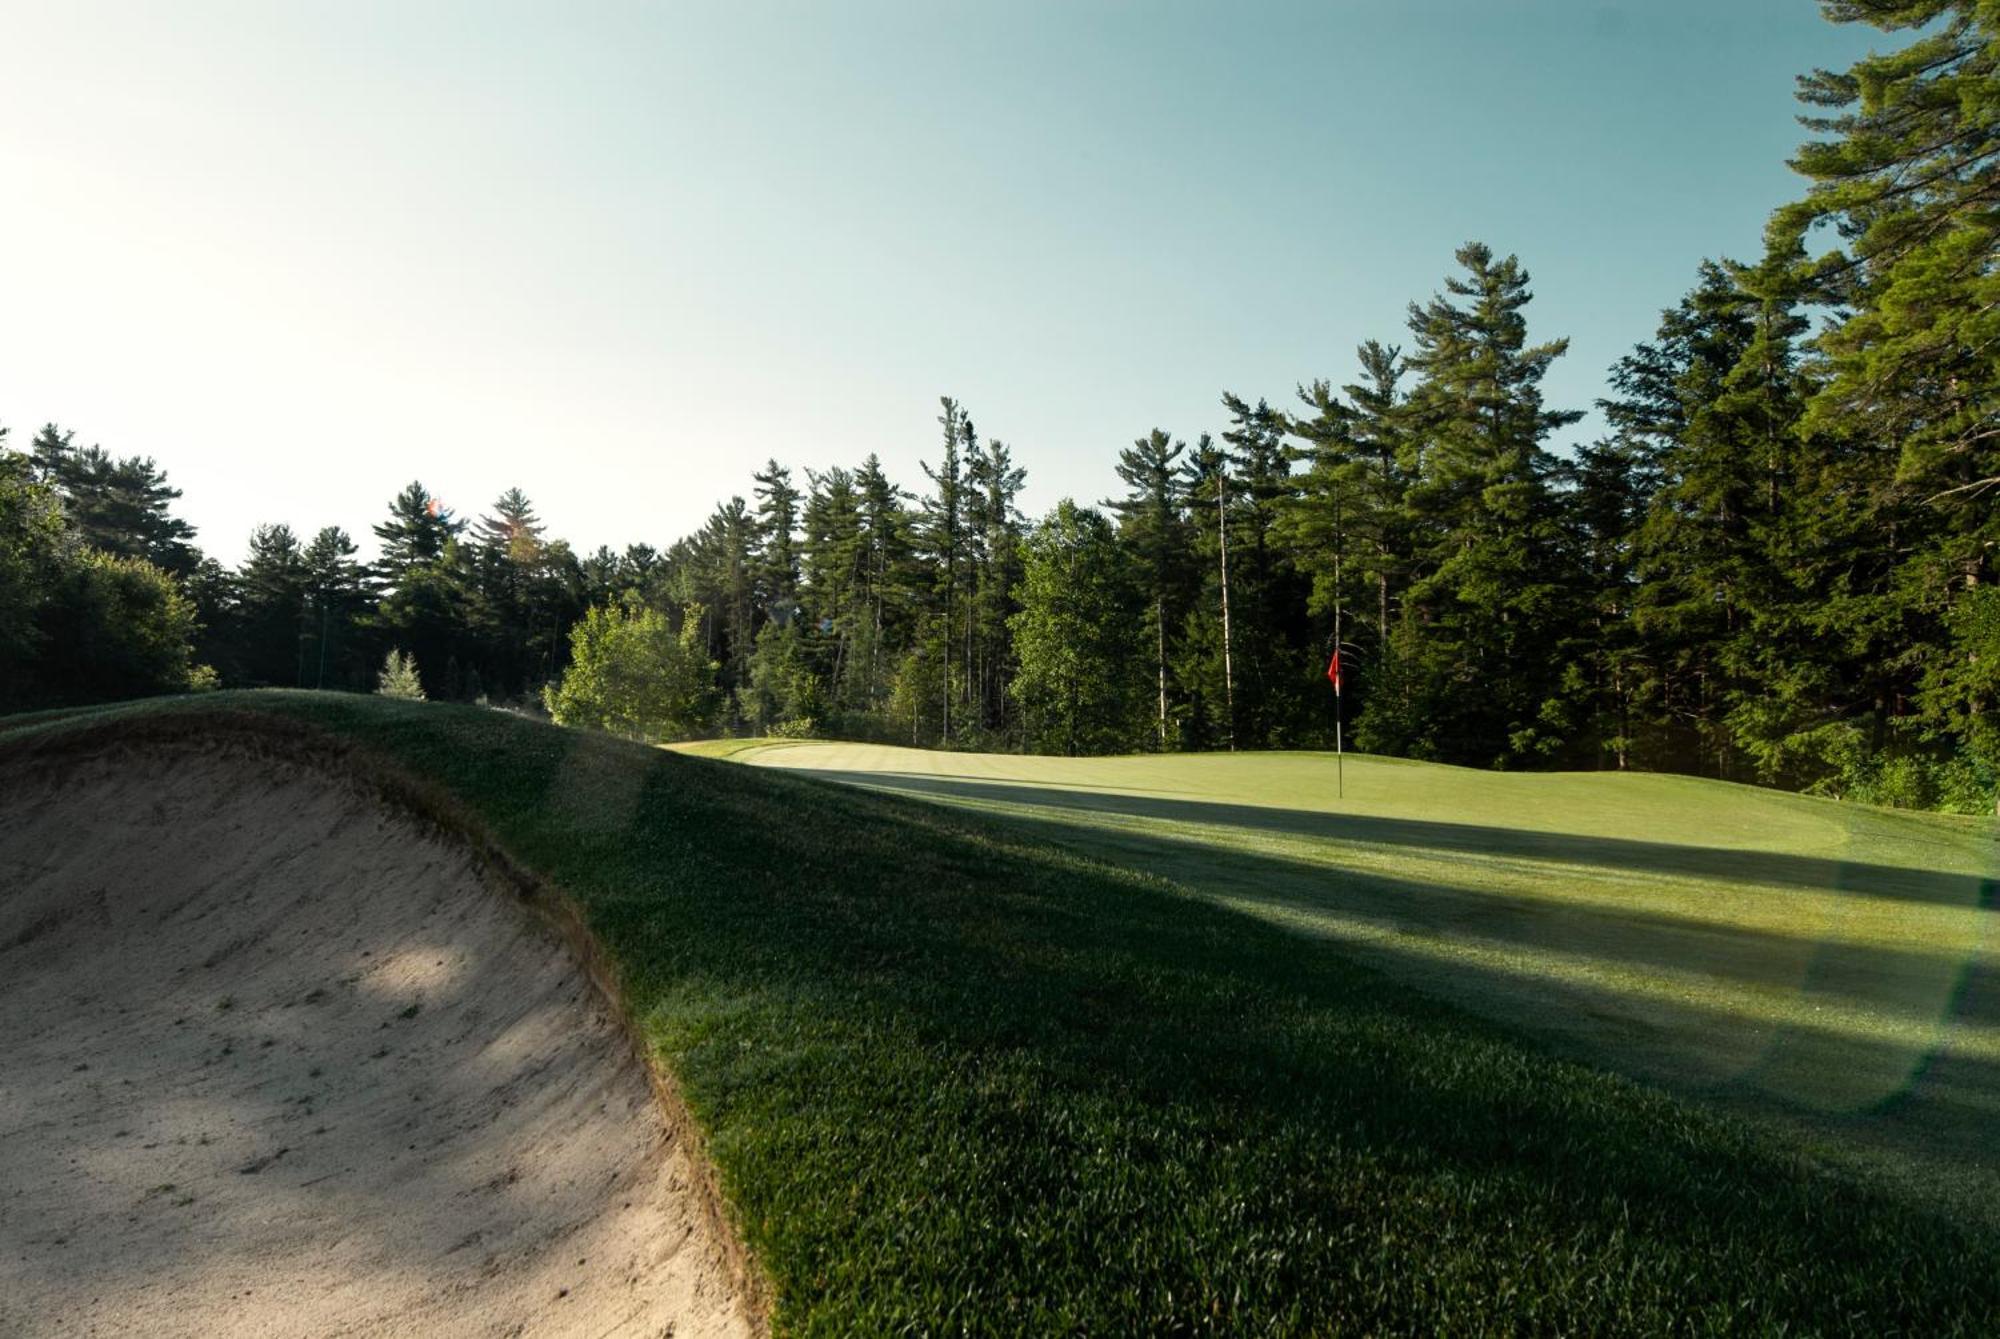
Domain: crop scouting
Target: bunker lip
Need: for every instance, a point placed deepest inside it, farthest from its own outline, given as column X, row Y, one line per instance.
column 250, row 751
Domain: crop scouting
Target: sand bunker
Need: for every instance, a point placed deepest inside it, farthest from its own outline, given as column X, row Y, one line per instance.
column 274, row 1062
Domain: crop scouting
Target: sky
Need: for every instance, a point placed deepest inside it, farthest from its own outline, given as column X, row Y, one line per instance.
column 619, row 255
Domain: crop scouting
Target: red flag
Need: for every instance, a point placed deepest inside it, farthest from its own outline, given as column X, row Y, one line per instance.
column 1333, row 672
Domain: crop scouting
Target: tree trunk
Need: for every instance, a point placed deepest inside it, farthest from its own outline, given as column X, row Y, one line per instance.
column 1228, row 669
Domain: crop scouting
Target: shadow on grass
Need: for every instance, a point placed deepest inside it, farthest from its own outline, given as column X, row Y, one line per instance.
column 1758, row 867
column 957, row 1080
column 957, row 1077
column 1918, row 1095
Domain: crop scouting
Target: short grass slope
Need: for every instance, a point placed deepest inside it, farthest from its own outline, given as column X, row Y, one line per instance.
column 958, row 1078
column 1834, row 961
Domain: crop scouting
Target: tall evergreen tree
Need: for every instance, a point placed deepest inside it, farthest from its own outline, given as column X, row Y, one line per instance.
column 117, row 506
column 993, row 487
column 271, row 606
column 1205, row 664
column 426, row 584
column 1907, row 173
column 508, row 555
column 415, row 534
column 1154, row 530
column 944, row 537
column 1269, row 636
column 777, row 534
column 336, row 595
column 888, row 583
column 834, row 576
column 1489, row 595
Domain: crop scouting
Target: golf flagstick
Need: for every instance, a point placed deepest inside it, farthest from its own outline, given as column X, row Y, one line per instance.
column 1339, row 742
column 1333, row 667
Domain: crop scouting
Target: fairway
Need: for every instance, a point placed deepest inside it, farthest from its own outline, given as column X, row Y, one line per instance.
column 1835, row 960
column 951, row 1074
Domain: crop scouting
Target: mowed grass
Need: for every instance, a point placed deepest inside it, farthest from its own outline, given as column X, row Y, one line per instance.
column 957, row 1078
column 1836, row 958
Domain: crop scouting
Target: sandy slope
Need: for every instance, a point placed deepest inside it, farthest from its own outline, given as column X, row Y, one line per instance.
column 273, row 1062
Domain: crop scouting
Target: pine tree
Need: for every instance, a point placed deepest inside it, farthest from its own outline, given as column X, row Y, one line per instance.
column 1153, row 529
column 1907, row 174
column 51, row 453
column 994, row 483
column 1205, row 665
column 834, row 576
column 270, row 611
column 1610, row 486
column 508, row 556
column 427, row 582
column 944, row 539
column 399, row 678
column 1489, row 594
column 1268, row 596
column 1729, row 578
column 415, row 534
column 888, row 583
column 336, row 594
column 117, row 506
column 513, row 530
column 777, row 536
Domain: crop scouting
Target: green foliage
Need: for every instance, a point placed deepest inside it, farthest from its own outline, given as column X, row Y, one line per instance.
column 783, row 695
column 1076, row 636
column 915, row 695
column 1268, row 639
column 32, row 539
column 1491, row 593
column 399, row 678
column 1153, row 526
column 78, row 625
column 270, row 610
column 632, row 674
column 336, row 601
column 116, row 627
column 1776, row 566
column 116, row 506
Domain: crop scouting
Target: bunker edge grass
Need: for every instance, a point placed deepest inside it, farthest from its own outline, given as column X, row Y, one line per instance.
column 956, row 1080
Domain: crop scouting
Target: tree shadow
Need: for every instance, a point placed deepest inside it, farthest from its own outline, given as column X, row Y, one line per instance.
column 1005, row 955
column 958, row 1078
column 1758, row 867
column 1919, row 1094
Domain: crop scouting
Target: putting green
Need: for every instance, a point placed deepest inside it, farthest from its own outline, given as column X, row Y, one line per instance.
column 1741, row 941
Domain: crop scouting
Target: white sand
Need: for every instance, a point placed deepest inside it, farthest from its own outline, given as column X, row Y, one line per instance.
column 274, row 1062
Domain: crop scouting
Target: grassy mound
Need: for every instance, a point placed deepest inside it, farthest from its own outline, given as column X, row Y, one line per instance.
column 957, row 1079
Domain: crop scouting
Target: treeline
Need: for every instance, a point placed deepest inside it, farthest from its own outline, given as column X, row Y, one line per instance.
column 1777, row 566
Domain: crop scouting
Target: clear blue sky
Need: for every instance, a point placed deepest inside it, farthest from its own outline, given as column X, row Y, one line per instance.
column 620, row 254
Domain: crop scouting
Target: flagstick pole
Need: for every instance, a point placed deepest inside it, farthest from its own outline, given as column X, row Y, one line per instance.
column 1339, row 743
column 1341, row 748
